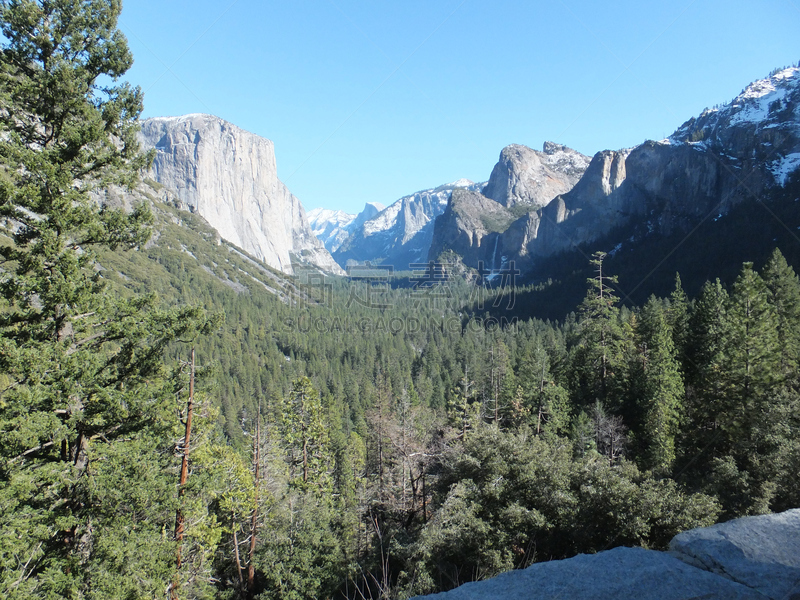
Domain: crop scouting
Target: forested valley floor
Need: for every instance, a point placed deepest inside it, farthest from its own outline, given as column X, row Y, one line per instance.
column 177, row 420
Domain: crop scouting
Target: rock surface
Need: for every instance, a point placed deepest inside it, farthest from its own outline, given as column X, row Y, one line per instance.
column 401, row 234
column 754, row 558
column 526, row 176
column 761, row 552
column 745, row 151
column 471, row 227
column 229, row 176
column 334, row 227
column 621, row 574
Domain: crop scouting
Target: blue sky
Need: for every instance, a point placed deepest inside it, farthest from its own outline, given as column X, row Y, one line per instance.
column 372, row 100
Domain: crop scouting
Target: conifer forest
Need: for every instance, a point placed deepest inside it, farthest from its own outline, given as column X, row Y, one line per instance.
column 164, row 435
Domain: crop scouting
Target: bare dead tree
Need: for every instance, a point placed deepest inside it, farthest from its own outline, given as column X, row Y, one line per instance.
column 609, row 434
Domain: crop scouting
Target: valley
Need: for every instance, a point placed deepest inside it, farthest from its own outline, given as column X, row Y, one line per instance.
column 207, row 391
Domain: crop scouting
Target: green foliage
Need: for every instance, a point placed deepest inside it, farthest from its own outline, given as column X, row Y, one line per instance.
column 509, row 499
column 305, row 432
column 659, row 389
column 88, row 401
column 301, row 556
column 364, row 490
column 599, row 355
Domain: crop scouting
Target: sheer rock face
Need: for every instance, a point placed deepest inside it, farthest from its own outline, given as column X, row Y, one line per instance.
column 470, row 226
column 229, row 177
column 753, row 558
column 744, row 151
column 401, row 234
column 526, row 176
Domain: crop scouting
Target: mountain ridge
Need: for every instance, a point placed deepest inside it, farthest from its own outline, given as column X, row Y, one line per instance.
column 400, row 234
column 746, row 150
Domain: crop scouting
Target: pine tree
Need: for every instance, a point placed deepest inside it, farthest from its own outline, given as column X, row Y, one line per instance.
column 784, row 287
column 598, row 357
column 86, row 381
column 749, row 374
column 750, row 365
column 678, row 319
column 308, row 441
column 660, row 393
column 703, row 364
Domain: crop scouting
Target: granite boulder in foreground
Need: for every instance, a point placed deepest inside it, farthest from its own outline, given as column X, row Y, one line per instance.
column 748, row 558
column 761, row 552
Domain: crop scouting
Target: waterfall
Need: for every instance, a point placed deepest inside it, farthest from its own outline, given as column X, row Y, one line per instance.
column 494, row 254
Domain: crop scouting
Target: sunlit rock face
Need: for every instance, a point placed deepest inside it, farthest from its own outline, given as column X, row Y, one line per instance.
column 526, row 176
column 753, row 558
column 229, row 176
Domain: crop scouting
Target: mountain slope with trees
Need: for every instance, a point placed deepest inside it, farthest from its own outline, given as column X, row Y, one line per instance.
column 369, row 437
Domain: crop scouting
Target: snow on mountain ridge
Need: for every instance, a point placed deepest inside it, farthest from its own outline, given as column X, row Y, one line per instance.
column 333, row 227
column 757, row 103
column 322, row 219
column 764, row 119
column 762, row 87
column 386, row 219
column 401, row 233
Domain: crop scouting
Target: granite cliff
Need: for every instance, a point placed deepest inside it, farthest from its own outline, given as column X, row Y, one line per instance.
column 745, row 151
column 526, row 176
column 400, row 234
column 229, row 177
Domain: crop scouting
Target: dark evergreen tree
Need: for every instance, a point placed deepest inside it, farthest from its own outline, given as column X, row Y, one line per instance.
column 751, row 354
column 678, row 320
column 305, row 429
column 701, row 438
column 659, row 393
column 784, row 287
column 86, row 383
column 598, row 358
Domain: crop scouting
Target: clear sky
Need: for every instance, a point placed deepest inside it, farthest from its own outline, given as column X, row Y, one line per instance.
column 375, row 99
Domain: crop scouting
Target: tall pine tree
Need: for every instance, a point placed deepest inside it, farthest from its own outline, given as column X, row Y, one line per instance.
column 660, row 390
column 86, row 384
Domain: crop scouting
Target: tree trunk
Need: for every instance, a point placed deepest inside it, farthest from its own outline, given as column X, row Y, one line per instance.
column 236, row 554
column 179, row 517
column 251, row 569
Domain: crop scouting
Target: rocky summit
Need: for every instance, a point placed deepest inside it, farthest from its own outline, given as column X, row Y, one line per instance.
column 399, row 235
column 526, row 176
column 752, row 558
column 745, row 151
column 229, row 176
column 334, row 227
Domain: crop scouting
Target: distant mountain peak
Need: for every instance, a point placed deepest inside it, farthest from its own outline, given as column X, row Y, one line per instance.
column 401, row 233
column 761, row 104
column 526, row 176
column 459, row 183
column 333, row 227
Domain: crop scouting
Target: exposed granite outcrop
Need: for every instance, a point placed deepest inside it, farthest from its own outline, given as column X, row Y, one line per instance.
column 753, row 558
column 526, row 176
column 470, row 226
column 760, row 552
column 229, row 176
